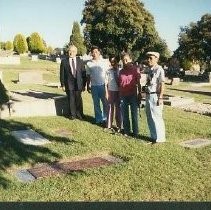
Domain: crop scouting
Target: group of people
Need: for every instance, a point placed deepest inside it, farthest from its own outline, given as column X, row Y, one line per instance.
column 116, row 93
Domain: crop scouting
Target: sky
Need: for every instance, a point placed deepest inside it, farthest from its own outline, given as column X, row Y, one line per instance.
column 53, row 19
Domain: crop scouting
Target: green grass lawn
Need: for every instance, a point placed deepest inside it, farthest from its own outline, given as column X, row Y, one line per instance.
column 166, row 172
column 186, row 89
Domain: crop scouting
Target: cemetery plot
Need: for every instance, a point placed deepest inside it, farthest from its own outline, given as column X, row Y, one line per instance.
column 30, row 78
column 64, row 132
column 35, row 103
column 24, row 176
column 46, row 170
column 196, row 143
column 29, row 137
column 176, row 101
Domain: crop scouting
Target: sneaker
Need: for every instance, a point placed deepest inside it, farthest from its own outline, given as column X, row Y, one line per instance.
column 109, row 130
column 119, row 130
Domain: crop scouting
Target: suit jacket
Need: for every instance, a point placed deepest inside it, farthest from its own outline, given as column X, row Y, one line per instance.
column 67, row 79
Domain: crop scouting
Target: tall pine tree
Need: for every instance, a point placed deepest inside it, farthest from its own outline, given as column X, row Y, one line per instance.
column 77, row 39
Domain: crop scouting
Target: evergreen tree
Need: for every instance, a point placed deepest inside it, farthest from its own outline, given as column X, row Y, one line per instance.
column 77, row 39
column 20, row 44
column 118, row 26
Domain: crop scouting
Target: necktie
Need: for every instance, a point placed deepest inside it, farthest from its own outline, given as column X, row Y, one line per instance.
column 73, row 66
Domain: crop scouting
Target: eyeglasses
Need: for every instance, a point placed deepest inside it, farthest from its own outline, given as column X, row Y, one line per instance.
column 150, row 58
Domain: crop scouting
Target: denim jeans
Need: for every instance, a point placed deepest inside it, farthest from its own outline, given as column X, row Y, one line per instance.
column 98, row 94
column 114, row 108
column 155, row 118
column 132, row 103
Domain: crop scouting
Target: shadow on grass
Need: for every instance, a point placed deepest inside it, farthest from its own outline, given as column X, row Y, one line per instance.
column 89, row 119
column 206, row 93
column 13, row 152
column 144, row 138
column 37, row 94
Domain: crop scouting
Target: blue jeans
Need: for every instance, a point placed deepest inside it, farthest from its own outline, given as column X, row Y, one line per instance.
column 98, row 94
column 126, row 102
column 155, row 118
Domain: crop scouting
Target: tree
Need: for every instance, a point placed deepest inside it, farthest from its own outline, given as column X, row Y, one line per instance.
column 8, row 45
column 77, row 39
column 44, row 46
column 35, row 43
column 2, row 45
column 119, row 26
column 20, row 44
column 49, row 50
column 195, row 41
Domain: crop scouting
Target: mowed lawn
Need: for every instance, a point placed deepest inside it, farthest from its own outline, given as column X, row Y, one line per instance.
column 168, row 172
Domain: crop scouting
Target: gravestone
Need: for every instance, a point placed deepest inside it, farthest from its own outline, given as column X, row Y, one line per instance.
column 175, row 81
column 29, row 137
column 24, row 176
column 30, row 77
column 35, row 103
column 10, row 60
column 34, row 57
column 58, row 60
column 177, row 101
column 209, row 77
column 196, row 143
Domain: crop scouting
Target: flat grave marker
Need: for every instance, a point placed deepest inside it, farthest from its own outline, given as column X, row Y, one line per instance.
column 177, row 101
column 57, row 168
column 30, row 77
column 196, row 143
column 64, row 132
column 24, row 176
column 29, row 137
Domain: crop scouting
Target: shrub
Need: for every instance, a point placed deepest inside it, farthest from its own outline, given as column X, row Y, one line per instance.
column 3, row 93
column 35, row 43
column 8, row 45
column 186, row 64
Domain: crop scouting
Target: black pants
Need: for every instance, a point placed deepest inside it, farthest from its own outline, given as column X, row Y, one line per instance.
column 75, row 103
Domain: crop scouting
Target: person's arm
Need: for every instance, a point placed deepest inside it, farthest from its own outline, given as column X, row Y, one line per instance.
column 106, row 84
column 88, row 79
column 139, row 86
column 62, row 75
column 84, row 77
column 161, row 88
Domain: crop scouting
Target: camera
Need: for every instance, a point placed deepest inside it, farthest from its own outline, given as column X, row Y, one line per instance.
column 145, row 89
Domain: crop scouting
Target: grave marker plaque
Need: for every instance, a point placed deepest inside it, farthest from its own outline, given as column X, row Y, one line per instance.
column 30, row 77
column 29, row 137
column 196, row 143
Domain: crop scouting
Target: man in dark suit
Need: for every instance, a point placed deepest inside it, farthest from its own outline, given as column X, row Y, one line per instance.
column 73, row 81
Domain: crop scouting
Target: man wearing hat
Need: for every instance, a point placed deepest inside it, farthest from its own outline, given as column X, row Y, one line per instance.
column 154, row 89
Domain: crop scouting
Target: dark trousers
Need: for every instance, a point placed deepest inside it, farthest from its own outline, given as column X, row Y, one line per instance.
column 75, row 103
